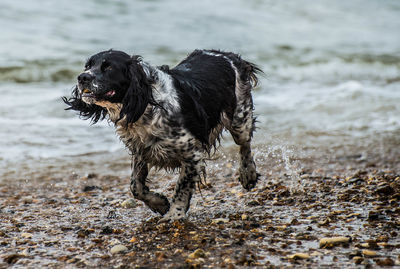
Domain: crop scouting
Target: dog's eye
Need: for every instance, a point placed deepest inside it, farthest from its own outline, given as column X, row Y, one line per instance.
column 105, row 66
column 88, row 64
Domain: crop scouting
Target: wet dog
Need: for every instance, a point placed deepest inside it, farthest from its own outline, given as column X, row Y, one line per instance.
column 171, row 118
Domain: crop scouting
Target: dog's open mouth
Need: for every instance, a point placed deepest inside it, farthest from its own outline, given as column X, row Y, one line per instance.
column 88, row 93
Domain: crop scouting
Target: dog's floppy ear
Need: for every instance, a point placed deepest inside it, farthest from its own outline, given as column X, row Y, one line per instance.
column 86, row 111
column 138, row 94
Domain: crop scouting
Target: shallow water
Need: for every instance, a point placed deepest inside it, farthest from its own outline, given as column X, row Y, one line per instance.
column 331, row 83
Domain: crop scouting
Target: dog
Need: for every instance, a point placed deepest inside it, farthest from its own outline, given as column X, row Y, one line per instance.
column 171, row 118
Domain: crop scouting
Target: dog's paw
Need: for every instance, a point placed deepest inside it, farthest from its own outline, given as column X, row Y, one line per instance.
column 248, row 176
column 157, row 203
column 175, row 213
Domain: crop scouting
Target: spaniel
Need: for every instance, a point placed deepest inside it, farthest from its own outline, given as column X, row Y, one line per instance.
column 171, row 118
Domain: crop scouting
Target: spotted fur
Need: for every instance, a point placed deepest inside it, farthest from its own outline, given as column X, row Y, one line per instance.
column 171, row 118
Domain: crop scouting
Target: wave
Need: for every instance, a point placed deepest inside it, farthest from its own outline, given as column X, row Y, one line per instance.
column 48, row 70
column 287, row 63
column 284, row 62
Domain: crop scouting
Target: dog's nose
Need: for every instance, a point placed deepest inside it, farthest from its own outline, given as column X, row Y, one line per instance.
column 85, row 77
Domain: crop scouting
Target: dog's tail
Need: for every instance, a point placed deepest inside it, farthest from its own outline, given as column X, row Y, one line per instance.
column 248, row 71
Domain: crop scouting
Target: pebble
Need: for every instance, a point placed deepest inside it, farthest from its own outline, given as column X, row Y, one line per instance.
column 198, row 253
column 129, row 203
column 355, row 253
column 118, row 249
column 369, row 253
column 26, row 235
column 220, row 221
column 382, row 238
column 316, row 253
column 357, row 259
column 299, row 256
column 115, row 241
column 27, row 200
column 333, row 241
column 115, row 201
column 25, row 252
column 385, row 190
column 90, row 188
column 385, row 262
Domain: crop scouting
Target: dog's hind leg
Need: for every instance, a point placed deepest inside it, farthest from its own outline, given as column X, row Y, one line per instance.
column 241, row 128
column 184, row 189
column 157, row 202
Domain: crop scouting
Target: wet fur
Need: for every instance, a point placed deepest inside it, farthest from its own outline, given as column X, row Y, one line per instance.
column 171, row 118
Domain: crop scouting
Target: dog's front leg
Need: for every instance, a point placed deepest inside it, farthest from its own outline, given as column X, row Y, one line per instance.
column 157, row 202
column 183, row 191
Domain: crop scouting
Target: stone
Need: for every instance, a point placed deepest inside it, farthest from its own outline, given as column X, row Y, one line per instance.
column 385, row 262
column 198, row 253
column 129, row 203
column 333, row 241
column 358, row 259
column 118, row 249
column 369, row 253
column 299, row 256
column 26, row 235
column 219, row 221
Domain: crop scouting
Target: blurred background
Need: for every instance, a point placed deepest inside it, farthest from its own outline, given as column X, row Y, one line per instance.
column 330, row 93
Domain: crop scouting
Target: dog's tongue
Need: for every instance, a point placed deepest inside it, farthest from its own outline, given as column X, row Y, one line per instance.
column 110, row 93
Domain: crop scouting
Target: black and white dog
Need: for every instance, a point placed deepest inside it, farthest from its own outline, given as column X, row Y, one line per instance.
column 171, row 118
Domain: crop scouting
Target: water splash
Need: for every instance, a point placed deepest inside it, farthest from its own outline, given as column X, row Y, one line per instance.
column 283, row 157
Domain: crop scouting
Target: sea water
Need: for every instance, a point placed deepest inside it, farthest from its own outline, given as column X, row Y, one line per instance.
column 331, row 73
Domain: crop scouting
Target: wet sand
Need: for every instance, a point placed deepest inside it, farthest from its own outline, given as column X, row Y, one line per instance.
column 65, row 220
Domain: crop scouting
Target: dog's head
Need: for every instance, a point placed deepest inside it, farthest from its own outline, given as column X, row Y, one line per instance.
column 111, row 77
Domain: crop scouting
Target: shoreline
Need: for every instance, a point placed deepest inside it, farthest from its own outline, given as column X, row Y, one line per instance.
column 72, row 220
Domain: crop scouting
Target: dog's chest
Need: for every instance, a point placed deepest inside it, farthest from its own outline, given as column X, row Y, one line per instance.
column 157, row 142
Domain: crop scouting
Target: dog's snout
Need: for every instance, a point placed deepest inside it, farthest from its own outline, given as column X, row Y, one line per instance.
column 85, row 78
